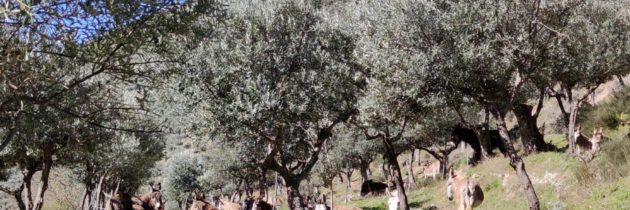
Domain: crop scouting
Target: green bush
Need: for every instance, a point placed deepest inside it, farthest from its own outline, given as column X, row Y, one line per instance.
column 609, row 165
column 611, row 114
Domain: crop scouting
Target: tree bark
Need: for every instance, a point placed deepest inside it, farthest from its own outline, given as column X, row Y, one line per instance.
column 395, row 173
column 347, row 191
column 87, row 196
column 443, row 165
column 17, row 194
column 43, row 186
column 28, row 176
column 349, row 177
column 573, row 111
column 18, row 198
column 87, row 181
column 412, row 180
column 574, row 106
column 99, row 190
column 516, row 162
column 384, row 170
column 416, row 154
column 275, row 194
column 619, row 77
column 294, row 198
column 263, row 184
column 531, row 138
column 364, row 167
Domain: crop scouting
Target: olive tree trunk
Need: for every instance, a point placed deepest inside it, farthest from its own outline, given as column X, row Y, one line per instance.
column 43, row 185
column 364, row 167
column 516, row 162
column 395, row 174
column 27, row 185
column 533, row 141
column 294, row 198
column 412, row 180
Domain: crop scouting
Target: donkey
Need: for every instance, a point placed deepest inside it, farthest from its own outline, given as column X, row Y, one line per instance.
column 199, row 202
column 584, row 144
column 465, row 190
column 370, row 187
column 430, row 169
column 392, row 199
column 469, row 136
column 122, row 202
column 256, row 204
column 225, row 204
column 151, row 200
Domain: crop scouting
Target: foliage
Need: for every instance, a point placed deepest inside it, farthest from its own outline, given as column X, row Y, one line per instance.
column 228, row 168
column 610, row 114
column 611, row 164
column 181, row 176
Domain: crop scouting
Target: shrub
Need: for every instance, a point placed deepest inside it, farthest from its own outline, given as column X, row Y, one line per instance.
column 610, row 114
column 181, row 176
column 609, row 165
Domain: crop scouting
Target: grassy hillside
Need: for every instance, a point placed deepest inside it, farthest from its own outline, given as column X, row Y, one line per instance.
column 558, row 180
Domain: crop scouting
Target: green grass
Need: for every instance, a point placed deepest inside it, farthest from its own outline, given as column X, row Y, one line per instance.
column 497, row 196
column 610, row 196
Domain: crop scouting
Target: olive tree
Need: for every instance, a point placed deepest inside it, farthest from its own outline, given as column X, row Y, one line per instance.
column 277, row 76
column 181, row 177
column 590, row 49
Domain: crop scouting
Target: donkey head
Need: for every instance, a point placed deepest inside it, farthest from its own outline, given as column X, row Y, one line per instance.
column 450, row 188
column 598, row 135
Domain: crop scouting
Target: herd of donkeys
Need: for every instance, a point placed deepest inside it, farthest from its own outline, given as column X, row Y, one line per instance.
column 464, row 190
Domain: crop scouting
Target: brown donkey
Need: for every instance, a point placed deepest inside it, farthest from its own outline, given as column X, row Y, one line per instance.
column 199, row 202
column 465, row 190
column 151, row 200
column 588, row 145
column 225, row 204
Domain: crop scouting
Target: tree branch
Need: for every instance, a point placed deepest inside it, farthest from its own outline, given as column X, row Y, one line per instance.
column 7, row 138
column 541, row 99
column 402, row 129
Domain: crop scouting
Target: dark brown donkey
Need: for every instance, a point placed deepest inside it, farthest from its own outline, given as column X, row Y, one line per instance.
column 256, row 204
column 151, row 200
column 122, row 202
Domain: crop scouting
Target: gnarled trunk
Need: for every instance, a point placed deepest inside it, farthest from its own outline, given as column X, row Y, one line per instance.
column 28, row 176
column 18, row 198
column 364, row 167
column 99, row 190
column 516, row 162
column 43, row 185
column 573, row 112
column 294, row 198
column 412, row 180
column 395, row 173
column 87, row 196
column 533, row 141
